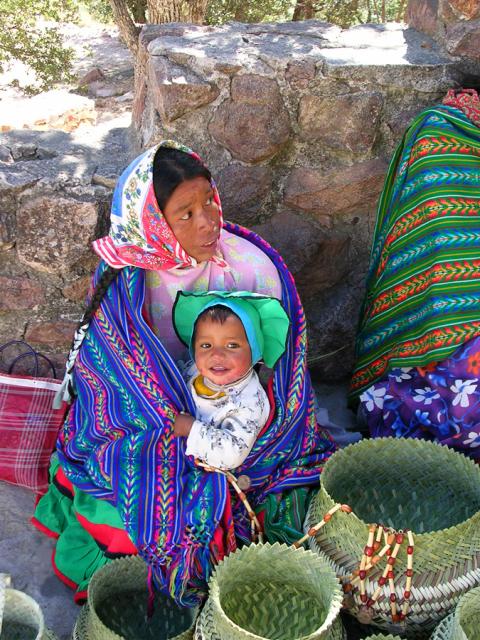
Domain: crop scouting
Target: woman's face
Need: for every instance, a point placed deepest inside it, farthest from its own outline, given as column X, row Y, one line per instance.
column 193, row 217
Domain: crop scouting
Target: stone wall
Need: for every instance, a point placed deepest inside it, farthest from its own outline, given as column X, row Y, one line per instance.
column 297, row 121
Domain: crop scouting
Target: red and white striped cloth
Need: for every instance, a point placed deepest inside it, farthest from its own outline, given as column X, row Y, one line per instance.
column 28, row 429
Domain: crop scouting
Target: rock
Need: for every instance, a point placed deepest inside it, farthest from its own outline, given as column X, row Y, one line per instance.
column 20, row 293
column 177, row 90
column 423, row 15
column 53, row 232
column 299, row 73
column 55, row 109
column 91, row 76
column 53, row 334
column 254, row 124
column 317, row 260
column 5, row 154
column 463, row 40
column 77, row 290
column 356, row 118
column 243, row 190
column 340, row 191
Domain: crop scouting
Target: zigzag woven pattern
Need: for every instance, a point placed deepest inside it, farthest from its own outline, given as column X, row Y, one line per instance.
column 421, row 301
column 118, row 442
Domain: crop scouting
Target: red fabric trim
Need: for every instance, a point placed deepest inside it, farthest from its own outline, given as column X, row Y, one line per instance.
column 70, row 583
column 80, row 597
column 112, row 539
column 41, row 527
column 62, row 479
column 271, row 400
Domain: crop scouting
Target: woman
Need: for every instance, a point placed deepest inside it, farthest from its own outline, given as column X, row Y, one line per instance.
column 418, row 345
column 122, row 482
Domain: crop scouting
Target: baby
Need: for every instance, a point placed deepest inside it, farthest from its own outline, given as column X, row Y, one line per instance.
column 227, row 334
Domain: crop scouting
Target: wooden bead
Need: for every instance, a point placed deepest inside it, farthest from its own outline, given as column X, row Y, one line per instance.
column 376, row 545
column 347, row 588
column 327, row 517
column 345, row 508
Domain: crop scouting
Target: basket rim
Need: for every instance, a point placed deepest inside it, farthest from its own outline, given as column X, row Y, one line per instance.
column 335, row 604
column 411, row 442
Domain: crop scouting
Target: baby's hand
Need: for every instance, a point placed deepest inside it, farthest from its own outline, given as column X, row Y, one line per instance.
column 183, row 424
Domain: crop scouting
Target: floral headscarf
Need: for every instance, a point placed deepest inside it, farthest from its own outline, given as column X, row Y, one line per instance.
column 139, row 234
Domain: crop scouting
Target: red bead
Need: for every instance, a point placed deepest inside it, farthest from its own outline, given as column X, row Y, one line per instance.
column 362, row 574
column 327, row 517
column 390, row 575
column 382, row 581
column 376, row 546
column 401, row 616
column 399, row 538
column 347, row 587
column 409, row 573
column 388, row 552
column 370, row 602
column 409, row 550
column 369, row 551
column 391, row 561
column 393, row 597
column 345, row 508
column 396, row 617
column 406, row 595
column 363, row 597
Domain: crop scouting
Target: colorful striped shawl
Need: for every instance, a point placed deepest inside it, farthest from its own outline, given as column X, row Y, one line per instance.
column 423, row 285
column 118, row 442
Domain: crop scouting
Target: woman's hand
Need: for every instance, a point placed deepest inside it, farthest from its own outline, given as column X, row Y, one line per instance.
column 183, row 424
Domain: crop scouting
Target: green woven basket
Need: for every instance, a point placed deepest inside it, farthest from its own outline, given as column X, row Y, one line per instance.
column 403, row 483
column 444, row 630
column 117, row 607
column 381, row 636
column 272, row 592
column 464, row 622
column 20, row 616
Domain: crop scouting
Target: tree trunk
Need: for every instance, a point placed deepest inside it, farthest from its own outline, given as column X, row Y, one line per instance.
column 161, row 11
column 139, row 10
column 198, row 9
column 303, row 10
column 128, row 30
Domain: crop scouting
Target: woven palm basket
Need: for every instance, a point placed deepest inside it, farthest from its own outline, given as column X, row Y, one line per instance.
column 116, row 608
column 464, row 623
column 21, row 617
column 401, row 484
column 381, row 636
column 272, row 592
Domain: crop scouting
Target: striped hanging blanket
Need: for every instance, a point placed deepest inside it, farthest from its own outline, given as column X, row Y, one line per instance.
column 118, row 442
column 423, row 285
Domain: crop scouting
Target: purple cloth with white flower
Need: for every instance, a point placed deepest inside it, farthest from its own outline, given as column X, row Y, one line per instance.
column 440, row 402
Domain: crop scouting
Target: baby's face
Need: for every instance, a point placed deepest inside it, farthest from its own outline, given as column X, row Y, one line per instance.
column 222, row 351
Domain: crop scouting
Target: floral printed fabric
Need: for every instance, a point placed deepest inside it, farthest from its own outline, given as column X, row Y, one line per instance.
column 440, row 402
column 226, row 427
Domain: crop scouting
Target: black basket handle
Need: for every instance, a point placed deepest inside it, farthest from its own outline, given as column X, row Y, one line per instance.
column 30, row 353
